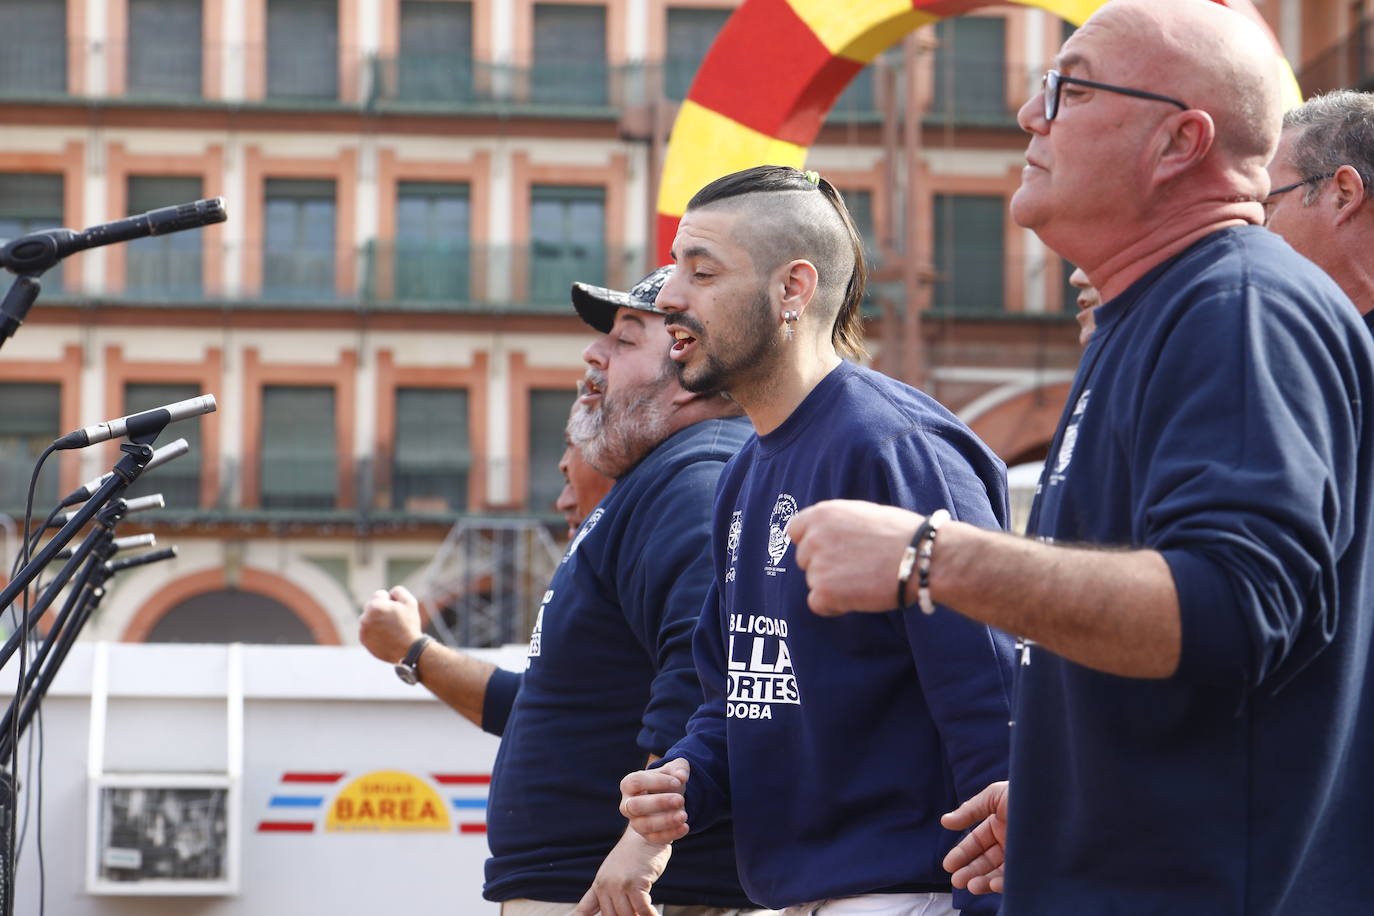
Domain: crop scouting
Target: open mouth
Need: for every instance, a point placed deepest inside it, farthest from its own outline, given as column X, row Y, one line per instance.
column 591, row 391
column 682, row 341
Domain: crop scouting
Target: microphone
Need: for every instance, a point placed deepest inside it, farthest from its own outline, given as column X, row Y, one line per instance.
column 160, row 457
column 142, row 559
column 37, row 251
column 118, row 544
column 137, row 504
column 142, row 503
column 138, row 424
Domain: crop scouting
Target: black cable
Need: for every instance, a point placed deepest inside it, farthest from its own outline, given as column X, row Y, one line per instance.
column 36, row 535
column 28, row 780
column 13, row 862
column 37, row 782
column 38, row 785
column 28, row 777
column 29, row 542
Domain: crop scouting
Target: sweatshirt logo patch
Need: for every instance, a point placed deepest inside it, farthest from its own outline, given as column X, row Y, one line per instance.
column 732, row 543
column 778, row 541
column 759, row 673
column 1066, row 447
column 537, row 637
column 582, row 533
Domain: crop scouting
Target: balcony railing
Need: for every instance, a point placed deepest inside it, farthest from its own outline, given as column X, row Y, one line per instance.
column 491, row 277
column 388, row 275
column 160, row 273
column 306, row 487
column 456, row 82
column 309, row 489
column 443, row 83
column 382, row 273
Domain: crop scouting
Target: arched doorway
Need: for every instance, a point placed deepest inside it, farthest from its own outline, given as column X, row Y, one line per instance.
column 231, row 615
column 1018, row 423
column 270, row 609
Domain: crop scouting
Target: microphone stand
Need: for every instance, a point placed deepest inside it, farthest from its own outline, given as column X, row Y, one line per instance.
column 80, row 606
column 91, row 557
column 30, row 255
column 77, row 612
column 127, row 469
column 88, row 544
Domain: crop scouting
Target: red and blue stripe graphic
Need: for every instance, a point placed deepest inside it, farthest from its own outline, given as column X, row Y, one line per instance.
column 301, row 799
column 290, row 801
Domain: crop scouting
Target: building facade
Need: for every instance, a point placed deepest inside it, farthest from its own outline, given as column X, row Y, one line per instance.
column 412, row 185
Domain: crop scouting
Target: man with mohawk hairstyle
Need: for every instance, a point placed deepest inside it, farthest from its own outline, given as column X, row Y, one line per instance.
column 834, row 744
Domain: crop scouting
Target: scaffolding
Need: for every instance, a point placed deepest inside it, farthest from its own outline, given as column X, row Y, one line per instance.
column 485, row 583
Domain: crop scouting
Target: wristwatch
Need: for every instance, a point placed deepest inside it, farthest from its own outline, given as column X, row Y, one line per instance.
column 408, row 668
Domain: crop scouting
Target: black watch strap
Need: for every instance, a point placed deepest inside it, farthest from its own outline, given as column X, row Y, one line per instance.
column 408, row 668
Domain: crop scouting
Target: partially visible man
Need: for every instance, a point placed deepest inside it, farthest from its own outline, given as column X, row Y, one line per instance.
column 1322, row 197
column 834, row 744
column 1087, row 300
column 583, row 485
column 1195, row 692
column 610, row 681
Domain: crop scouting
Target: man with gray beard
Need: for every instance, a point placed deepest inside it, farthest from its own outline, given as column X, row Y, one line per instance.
column 610, row 682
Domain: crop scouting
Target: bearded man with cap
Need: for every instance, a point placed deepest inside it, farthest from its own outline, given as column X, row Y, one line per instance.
column 610, row 682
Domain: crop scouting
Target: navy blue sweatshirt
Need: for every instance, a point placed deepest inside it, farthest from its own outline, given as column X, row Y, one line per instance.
column 837, row 743
column 1223, row 415
column 610, row 681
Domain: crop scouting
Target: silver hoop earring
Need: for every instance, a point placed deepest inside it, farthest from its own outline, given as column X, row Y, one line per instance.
column 789, row 318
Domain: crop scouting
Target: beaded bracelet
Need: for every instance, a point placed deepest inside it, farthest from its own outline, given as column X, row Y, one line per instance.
column 931, row 527
column 924, row 533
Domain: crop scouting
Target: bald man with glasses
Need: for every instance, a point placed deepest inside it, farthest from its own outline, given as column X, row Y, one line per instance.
column 1322, row 200
column 1194, row 695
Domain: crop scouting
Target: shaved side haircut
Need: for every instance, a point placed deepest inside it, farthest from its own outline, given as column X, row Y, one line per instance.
column 789, row 217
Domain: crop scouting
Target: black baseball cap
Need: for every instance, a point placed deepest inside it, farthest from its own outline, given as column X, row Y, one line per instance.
column 597, row 305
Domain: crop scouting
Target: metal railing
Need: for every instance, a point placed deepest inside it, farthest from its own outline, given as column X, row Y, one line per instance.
column 384, row 273
column 456, row 82
column 161, row 273
column 444, row 82
column 391, row 275
column 491, row 277
column 307, row 486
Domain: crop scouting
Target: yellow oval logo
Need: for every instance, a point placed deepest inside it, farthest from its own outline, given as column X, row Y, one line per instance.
column 388, row 800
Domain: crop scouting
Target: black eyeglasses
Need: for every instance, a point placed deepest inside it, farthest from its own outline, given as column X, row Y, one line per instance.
column 1053, row 81
column 1297, row 184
